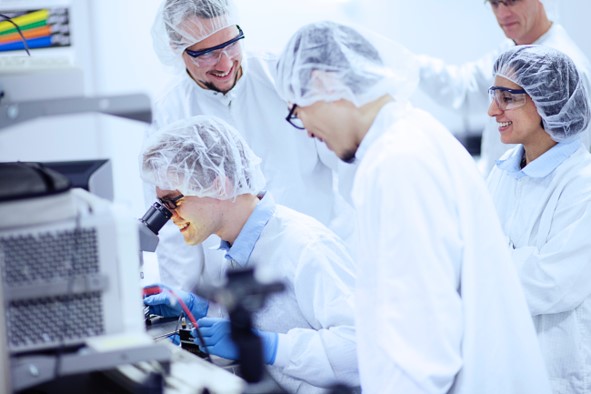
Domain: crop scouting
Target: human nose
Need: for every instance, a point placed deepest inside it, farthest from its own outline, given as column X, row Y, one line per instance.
column 224, row 59
column 494, row 109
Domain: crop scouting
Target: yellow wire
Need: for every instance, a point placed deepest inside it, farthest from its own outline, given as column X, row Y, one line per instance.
column 26, row 19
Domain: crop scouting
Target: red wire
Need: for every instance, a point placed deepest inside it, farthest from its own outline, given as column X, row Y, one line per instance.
column 185, row 308
column 157, row 289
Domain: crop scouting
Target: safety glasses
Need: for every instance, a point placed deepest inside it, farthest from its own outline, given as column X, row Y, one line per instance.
column 171, row 203
column 210, row 56
column 506, row 98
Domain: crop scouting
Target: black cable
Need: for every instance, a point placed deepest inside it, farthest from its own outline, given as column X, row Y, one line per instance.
column 205, row 350
column 18, row 29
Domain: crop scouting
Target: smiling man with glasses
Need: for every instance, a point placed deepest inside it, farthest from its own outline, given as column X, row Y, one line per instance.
column 204, row 43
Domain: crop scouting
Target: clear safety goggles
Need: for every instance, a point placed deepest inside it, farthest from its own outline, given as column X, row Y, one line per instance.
column 211, row 56
column 506, row 98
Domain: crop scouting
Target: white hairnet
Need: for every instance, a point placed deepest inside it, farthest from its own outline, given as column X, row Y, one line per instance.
column 552, row 81
column 328, row 61
column 201, row 156
column 180, row 24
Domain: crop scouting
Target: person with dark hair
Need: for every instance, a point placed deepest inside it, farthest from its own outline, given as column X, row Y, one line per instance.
column 211, row 181
column 542, row 192
column 439, row 307
column 463, row 88
column 204, row 44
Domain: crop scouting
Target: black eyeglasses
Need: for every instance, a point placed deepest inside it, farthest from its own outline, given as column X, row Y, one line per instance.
column 171, row 203
column 506, row 3
column 210, row 56
column 293, row 119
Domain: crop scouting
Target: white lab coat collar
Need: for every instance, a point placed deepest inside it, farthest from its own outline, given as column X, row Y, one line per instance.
column 388, row 114
column 543, row 165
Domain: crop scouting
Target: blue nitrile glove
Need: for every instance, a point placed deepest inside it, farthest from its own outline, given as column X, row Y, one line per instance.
column 217, row 337
column 175, row 339
column 166, row 304
column 270, row 340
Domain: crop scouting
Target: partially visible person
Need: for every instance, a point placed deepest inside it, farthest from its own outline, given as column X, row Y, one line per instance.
column 208, row 177
column 464, row 87
column 439, row 307
column 204, row 44
column 542, row 191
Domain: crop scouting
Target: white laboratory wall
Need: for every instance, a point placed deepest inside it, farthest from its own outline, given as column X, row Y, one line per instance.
column 117, row 57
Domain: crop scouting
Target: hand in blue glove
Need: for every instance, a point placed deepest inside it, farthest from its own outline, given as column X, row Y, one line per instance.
column 175, row 339
column 166, row 304
column 217, row 338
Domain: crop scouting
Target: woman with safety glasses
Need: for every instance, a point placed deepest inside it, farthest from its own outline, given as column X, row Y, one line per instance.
column 542, row 192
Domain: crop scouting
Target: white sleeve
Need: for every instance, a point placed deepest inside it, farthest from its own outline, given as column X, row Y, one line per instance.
column 325, row 353
column 556, row 276
column 462, row 86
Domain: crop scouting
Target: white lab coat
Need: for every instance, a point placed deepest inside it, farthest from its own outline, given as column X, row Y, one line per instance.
column 545, row 211
column 439, row 305
column 299, row 171
column 314, row 315
column 465, row 87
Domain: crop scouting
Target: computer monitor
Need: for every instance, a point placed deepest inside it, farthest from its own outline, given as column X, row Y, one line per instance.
column 95, row 176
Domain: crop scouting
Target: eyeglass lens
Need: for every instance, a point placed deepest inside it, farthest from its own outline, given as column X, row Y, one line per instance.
column 506, row 99
column 171, row 203
column 506, row 3
column 293, row 119
column 211, row 58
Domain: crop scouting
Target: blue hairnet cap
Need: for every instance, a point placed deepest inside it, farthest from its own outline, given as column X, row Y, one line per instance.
column 552, row 81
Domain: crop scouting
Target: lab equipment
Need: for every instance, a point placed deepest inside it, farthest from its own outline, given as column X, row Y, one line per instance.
column 95, row 176
column 561, row 98
column 242, row 295
column 150, row 224
column 70, row 283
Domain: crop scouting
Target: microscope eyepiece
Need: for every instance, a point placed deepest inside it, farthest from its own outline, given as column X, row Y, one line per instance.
column 156, row 217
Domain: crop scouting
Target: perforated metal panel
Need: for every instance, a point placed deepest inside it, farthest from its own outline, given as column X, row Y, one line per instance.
column 60, row 254
column 46, row 321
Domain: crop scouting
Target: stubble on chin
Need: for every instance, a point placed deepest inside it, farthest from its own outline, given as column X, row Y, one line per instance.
column 349, row 156
column 211, row 86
